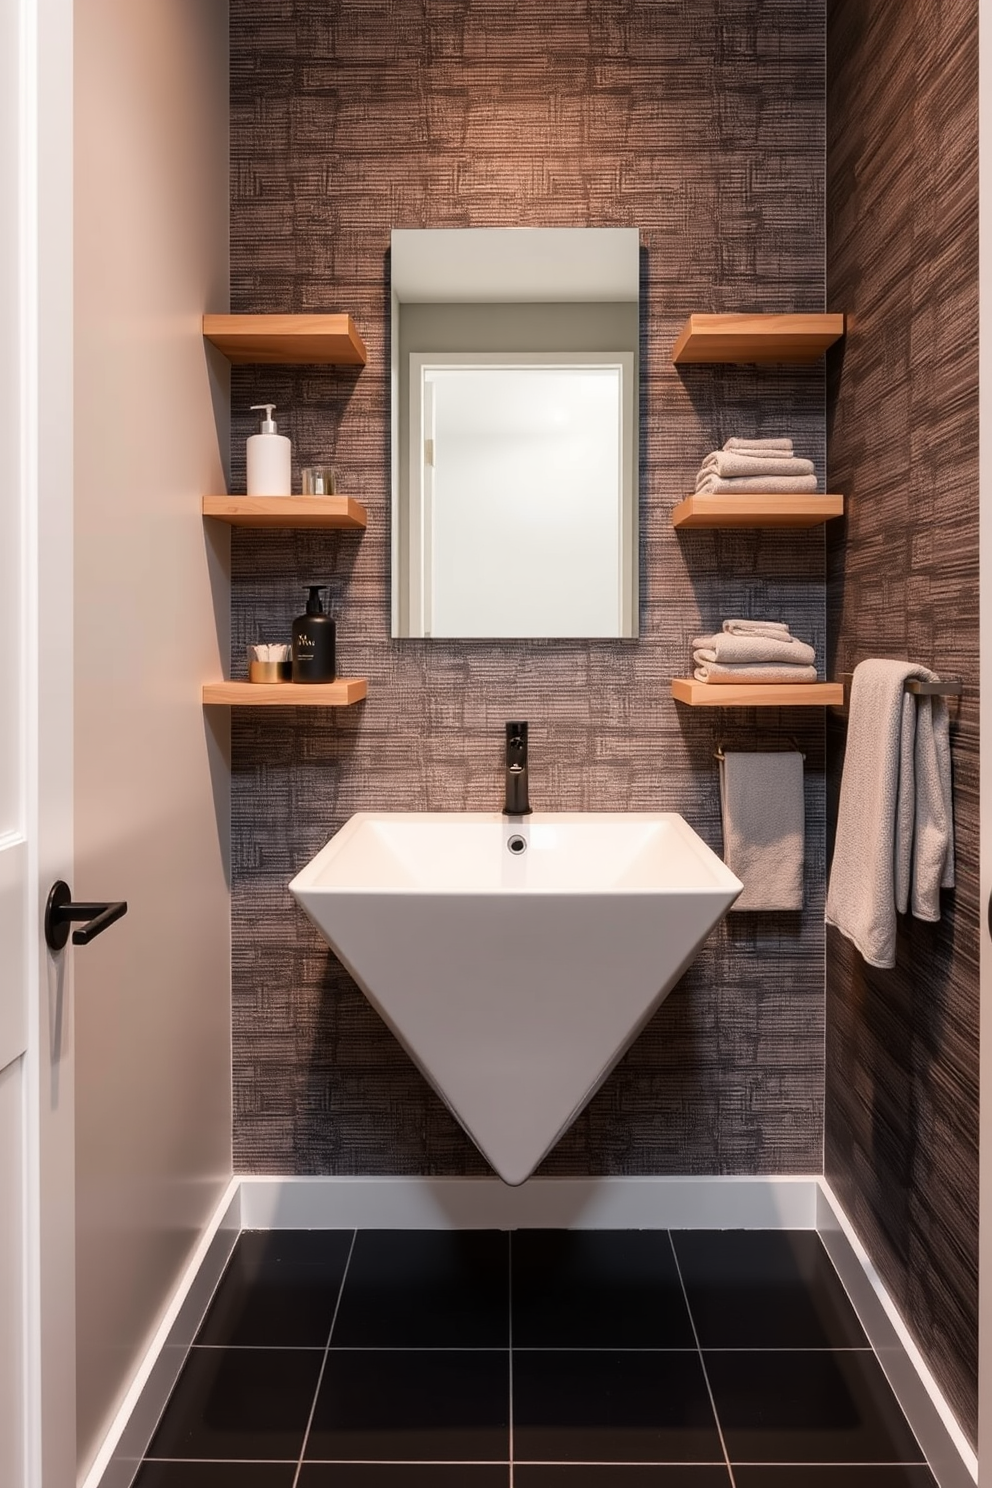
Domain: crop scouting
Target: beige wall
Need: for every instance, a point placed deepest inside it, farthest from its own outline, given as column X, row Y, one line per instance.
column 153, row 1115
column 12, row 1280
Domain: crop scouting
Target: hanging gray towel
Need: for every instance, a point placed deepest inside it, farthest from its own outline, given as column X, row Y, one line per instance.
column 761, row 800
column 895, row 840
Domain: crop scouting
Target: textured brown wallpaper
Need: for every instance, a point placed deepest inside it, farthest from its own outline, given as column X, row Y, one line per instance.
column 902, row 1045
column 701, row 123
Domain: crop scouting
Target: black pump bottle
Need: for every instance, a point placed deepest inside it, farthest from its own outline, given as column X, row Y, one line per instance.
column 313, row 642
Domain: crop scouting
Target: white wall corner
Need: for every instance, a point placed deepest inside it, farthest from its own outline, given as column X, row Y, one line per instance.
column 947, row 1449
column 120, row 1454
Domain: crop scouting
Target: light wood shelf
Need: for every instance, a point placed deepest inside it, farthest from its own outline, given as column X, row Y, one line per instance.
column 281, row 340
column 761, row 695
column 753, row 510
column 286, row 511
column 338, row 694
column 756, row 338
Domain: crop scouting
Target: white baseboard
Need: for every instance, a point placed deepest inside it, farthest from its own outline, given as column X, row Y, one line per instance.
column 120, row 1455
column 945, row 1445
column 794, row 1203
column 540, row 1203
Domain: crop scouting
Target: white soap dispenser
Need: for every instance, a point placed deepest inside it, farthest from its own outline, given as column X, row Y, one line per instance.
column 269, row 460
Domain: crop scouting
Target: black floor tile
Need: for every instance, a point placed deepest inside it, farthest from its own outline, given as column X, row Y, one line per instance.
column 239, row 1403
column 426, row 1289
column 813, row 1406
column 836, row 1477
column 610, row 1475
column 597, row 1289
column 216, row 1475
column 280, row 1290
column 448, row 1405
column 612, row 1407
column 404, row 1475
column 764, row 1289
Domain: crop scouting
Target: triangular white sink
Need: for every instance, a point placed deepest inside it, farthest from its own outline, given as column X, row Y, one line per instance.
column 515, row 979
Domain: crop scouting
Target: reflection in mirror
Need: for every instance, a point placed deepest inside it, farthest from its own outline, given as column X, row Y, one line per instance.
column 514, row 433
column 521, row 463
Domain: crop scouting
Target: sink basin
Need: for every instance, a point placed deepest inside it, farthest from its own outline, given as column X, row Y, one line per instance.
column 515, row 959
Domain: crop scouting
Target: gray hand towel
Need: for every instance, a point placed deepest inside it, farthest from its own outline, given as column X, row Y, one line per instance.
column 760, row 446
column 895, row 842
column 776, row 628
column 761, row 801
column 769, row 671
column 768, row 485
column 747, row 649
column 726, row 463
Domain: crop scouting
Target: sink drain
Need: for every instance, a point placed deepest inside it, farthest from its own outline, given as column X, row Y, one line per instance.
column 517, row 844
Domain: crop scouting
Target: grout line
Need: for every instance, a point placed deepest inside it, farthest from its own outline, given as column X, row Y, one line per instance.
column 323, row 1365
column 363, row 1461
column 651, row 1462
column 500, row 1462
column 495, row 1348
column 702, row 1363
column 509, row 1262
column 383, row 1348
column 259, row 1348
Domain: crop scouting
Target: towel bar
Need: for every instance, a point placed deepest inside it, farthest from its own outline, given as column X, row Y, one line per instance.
column 934, row 689
column 946, row 687
column 718, row 753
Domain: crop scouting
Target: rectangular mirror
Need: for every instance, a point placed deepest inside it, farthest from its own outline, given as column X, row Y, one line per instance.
column 514, row 432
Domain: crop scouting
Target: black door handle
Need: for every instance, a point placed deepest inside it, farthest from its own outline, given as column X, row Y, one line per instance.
column 60, row 913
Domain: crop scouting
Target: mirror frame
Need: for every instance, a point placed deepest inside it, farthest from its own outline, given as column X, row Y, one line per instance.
column 492, row 266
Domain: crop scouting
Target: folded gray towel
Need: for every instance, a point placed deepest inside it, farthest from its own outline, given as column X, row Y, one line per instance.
column 732, row 463
column 895, row 835
column 776, row 628
column 762, row 671
column 769, row 485
column 761, row 803
column 760, row 445
column 746, row 649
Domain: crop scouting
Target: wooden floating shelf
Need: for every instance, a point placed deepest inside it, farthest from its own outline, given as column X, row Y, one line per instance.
column 756, row 338
column 286, row 511
column 339, row 694
column 281, row 340
column 752, row 510
column 761, row 695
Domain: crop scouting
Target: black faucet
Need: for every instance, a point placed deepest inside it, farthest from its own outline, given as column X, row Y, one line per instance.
column 517, row 803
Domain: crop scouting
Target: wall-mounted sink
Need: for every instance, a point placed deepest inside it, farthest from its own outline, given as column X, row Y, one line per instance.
column 515, row 960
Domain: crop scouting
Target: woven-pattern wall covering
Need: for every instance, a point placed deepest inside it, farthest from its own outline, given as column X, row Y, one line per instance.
column 902, row 1045
column 701, row 123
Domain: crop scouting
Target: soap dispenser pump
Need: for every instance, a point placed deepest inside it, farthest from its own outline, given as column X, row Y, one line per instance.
column 270, row 470
column 313, row 642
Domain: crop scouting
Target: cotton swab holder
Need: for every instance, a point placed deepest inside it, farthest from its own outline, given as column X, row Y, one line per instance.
column 270, row 663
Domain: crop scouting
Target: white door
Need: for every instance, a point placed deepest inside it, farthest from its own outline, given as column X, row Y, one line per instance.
column 37, row 1396
column 13, row 802
column 94, row 1179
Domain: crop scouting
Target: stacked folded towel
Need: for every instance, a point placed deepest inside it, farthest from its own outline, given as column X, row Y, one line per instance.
column 753, row 651
column 766, row 465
